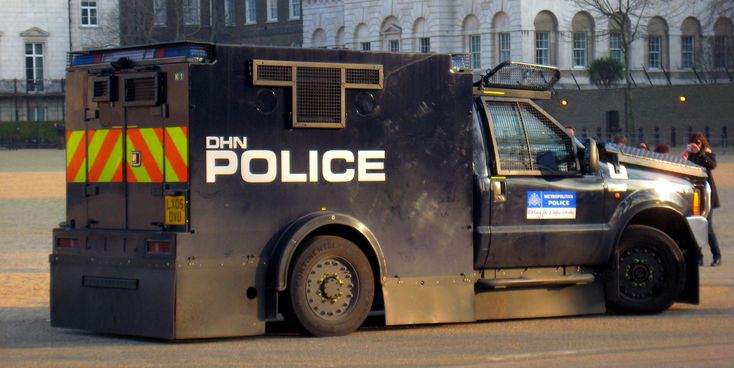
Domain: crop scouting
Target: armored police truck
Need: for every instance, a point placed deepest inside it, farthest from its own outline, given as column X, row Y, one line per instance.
column 212, row 189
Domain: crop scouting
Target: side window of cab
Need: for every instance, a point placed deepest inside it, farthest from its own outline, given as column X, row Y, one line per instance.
column 528, row 141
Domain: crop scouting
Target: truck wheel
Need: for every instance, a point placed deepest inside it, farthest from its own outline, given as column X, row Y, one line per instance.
column 331, row 286
column 651, row 271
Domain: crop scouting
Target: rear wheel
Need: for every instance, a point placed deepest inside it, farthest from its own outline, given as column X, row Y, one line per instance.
column 331, row 286
column 651, row 271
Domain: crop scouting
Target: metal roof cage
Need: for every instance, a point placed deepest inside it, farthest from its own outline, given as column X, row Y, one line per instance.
column 514, row 75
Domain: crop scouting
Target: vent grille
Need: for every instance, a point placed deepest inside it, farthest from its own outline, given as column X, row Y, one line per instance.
column 363, row 76
column 319, row 95
column 276, row 73
column 318, row 89
column 102, row 89
column 142, row 90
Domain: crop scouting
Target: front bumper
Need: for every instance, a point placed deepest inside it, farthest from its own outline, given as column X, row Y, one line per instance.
column 700, row 230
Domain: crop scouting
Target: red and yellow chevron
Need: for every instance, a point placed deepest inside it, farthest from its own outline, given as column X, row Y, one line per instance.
column 76, row 156
column 148, row 144
column 105, row 156
column 177, row 154
column 97, row 156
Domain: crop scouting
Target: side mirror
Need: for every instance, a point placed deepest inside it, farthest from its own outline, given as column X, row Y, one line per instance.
column 590, row 162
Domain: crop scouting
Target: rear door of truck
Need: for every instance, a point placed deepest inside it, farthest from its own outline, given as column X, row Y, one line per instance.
column 127, row 145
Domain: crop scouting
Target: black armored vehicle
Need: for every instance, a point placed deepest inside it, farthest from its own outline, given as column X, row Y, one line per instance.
column 212, row 189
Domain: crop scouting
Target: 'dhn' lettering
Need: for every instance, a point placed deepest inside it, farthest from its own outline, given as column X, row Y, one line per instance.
column 226, row 142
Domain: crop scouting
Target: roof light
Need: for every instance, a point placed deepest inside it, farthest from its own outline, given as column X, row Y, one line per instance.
column 192, row 51
column 460, row 62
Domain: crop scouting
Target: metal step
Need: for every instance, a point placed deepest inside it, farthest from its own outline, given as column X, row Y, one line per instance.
column 574, row 279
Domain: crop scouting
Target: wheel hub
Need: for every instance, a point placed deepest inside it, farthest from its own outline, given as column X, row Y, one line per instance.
column 330, row 288
column 642, row 273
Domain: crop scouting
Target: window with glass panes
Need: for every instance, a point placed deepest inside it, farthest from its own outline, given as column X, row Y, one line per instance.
column 475, row 49
column 504, row 46
column 615, row 45
column 424, row 44
column 295, row 9
column 159, row 13
column 36, row 113
column 686, row 49
column 250, row 12
column 192, row 12
column 393, row 45
column 542, row 48
column 579, row 49
column 719, row 51
column 34, row 66
column 654, row 44
column 272, row 10
column 229, row 13
column 89, row 13
column 365, row 46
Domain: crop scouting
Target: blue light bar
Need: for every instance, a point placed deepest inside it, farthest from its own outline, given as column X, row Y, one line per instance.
column 461, row 61
column 197, row 52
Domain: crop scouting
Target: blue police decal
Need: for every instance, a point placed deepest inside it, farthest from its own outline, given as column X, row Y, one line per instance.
column 551, row 205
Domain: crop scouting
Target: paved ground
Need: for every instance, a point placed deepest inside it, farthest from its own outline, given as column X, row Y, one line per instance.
column 31, row 203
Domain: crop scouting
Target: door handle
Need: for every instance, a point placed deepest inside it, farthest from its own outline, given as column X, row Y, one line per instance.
column 499, row 190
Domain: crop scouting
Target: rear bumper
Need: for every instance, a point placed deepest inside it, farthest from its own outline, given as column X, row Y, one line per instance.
column 110, row 284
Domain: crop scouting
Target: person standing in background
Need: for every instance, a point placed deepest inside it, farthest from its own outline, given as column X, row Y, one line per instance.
column 619, row 140
column 700, row 153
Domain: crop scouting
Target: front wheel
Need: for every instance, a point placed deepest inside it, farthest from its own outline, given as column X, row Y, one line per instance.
column 650, row 271
column 331, row 286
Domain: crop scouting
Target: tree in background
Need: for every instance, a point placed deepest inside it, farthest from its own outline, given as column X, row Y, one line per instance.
column 604, row 71
column 626, row 18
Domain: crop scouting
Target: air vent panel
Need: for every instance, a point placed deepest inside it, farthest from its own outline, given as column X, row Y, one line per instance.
column 143, row 89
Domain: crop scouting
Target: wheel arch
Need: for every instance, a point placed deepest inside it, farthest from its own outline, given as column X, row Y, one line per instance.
column 672, row 223
column 324, row 223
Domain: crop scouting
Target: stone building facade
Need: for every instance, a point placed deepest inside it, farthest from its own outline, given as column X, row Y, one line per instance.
column 262, row 22
column 675, row 37
column 35, row 37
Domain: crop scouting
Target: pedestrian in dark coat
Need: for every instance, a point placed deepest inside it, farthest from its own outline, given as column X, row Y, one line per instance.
column 700, row 153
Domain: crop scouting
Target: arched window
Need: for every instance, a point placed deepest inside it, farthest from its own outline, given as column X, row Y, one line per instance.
column 473, row 41
column 690, row 42
column 420, row 34
column 340, row 38
column 546, row 28
column 501, row 27
column 361, row 38
column 582, row 27
column 616, row 42
column 723, row 37
column 391, row 34
column 657, row 43
column 319, row 38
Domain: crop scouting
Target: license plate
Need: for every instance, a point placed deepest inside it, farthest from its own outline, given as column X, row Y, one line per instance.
column 175, row 210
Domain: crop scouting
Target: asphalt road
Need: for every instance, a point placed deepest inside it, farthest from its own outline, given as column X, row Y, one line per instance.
column 684, row 336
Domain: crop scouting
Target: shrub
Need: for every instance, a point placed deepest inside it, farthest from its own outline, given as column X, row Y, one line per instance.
column 604, row 71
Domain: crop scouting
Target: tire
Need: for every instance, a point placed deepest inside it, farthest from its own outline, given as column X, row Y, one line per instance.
column 331, row 287
column 650, row 271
